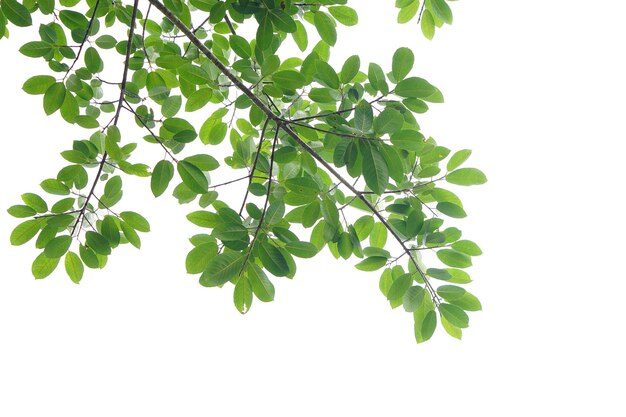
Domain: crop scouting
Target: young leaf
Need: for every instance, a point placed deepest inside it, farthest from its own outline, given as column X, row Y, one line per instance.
column 74, row 267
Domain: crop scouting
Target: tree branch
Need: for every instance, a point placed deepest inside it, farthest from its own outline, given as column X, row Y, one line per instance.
column 282, row 124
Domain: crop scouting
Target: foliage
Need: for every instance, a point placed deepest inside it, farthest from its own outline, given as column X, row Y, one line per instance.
column 334, row 156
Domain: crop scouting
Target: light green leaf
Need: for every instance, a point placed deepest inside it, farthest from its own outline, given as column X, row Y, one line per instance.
column 58, row 246
column 372, row 263
column 161, row 176
column 242, row 297
column 415, row 87
column 136, row 221
column 25, row 231
column 454, row 259
column 403, row 60
column 221, row 269
column 192, row 177
column 455, row 315
column 261, row 285
column 44, row 266
column 458, row 158
column 466, row 176
column 325, row 27
column 74, row 267
column 344, row 15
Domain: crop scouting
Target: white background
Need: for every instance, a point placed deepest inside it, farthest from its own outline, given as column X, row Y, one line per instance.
column 535, row 88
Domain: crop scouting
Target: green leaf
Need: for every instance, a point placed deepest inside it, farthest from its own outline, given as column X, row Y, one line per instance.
column 36, row 49
column 161, row 176
column 454, row 259
column 455, row 315
column 289, row 79
column 242, row 297
column 326, row 75
column 53, row 98
column 93, row 62
column 130, row 234
column 467, row 247
column 375, row 170
column 458, row 158
column 74, row 267
column 451, row 210
column 21, row 212
column 35, row 202
column 371, row 264
column 16, row 13
column 413, row 298
column 399, row 287
column 193, row 74
column 38, row 84
column 265, row 33
column 240, row 46
column 301, row 249
column 53, row 186
column 261, row 285
column 325, row 27
column 273, row 260
column 388, row 121
column 363, row 116
column 409, row 140
column 282, row 21
column 344, row 15
column 377, row 78
column 466, row 176
column 136, row 221
column 300, row 36
column 415, row 87
column 98, row 243
column 24, row 232
column 199, row 257
column 378, row 235
column 192, row 177
column 58, row 246
column 441, row 9
column 467, row 302
column 427, row 25
column 44, row 266
column 402, row 63
column 451, row 329
column 408, row 11
column 221, row 269
column 350, row 69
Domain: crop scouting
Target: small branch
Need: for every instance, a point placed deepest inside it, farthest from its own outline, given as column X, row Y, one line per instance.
column 256, row 160
column 82, row 44
column 154, row 136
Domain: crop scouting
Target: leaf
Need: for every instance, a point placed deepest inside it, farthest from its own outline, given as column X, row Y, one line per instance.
column 240, row 46
column 467, row 247
column 265, row 33
column 161, row 176
column 375, row 169
column 136, row 221
column 455, row 315
column 36, row 49
column 16, row 13
column 451, row 329
column 388, row 121
column 454, row 259
column 466, row 176
column 58, row 246
column 24, row 232
column 363, row 116
column 43, row 266
column 413, row 298
column 350, row 69
column 300, row 36
column 221, row 269
column 273, row 260
column 261, row 285
column 377, row 78
column 193, row 74
column 326, row 75
column 98, row 243
column 192, row 177
column 458, row 158
column 289, row 79
column 130, row 234
column 344, row 15
column 371, row 264
column 451, row 210
column 38, row 84
column 427, row 25
column 325, row 27
column 74, row 267
column 399, row 287
column 282, row 21
column 468, row 302
column 415, row 87
column 35, row 202
column 242, row 296
column 199, row 257
column 21, row 212
column 53, row 98
column 441, row 9
column 402, row 63
column 301, row 249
